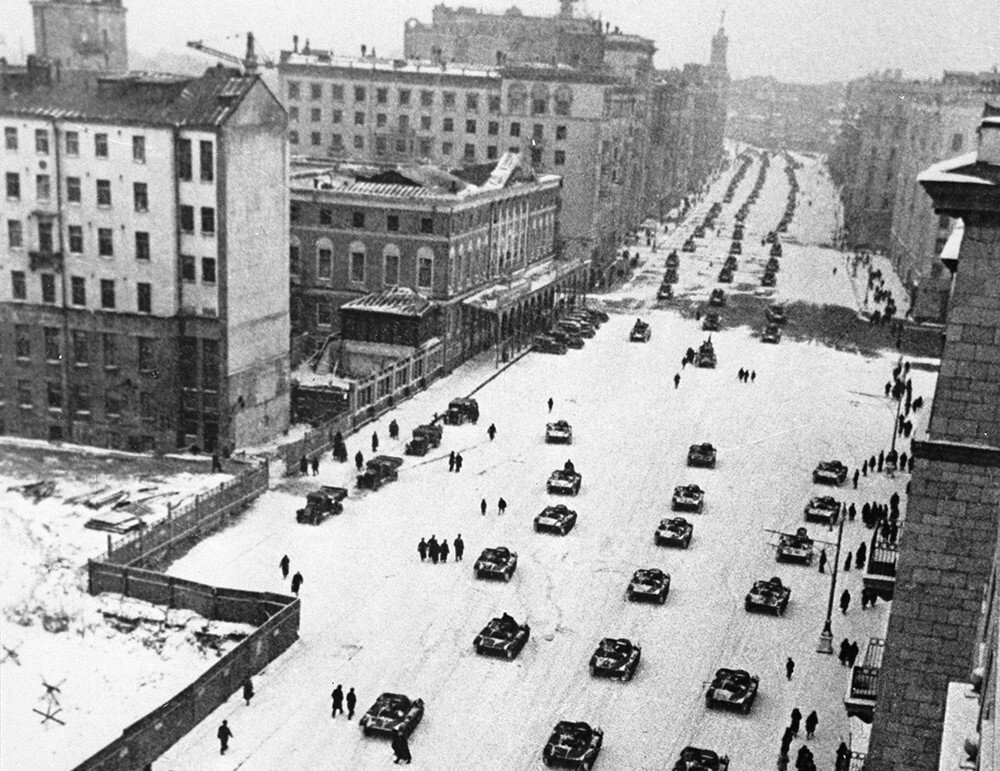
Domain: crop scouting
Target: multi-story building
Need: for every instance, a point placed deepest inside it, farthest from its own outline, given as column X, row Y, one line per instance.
column 144, row 228
column 81, row 34
column 475, row 253
column 940, row 627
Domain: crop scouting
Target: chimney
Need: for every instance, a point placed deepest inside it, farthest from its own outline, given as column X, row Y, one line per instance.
column 364, row 50
column 989, row 141
column 305, row 49
column 373, row 52
column 295, row 44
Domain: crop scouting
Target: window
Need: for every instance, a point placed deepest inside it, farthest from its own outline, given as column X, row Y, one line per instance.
column 404, row 123
column 359, row 142
column 491, row 152
column 449, row 100
column 425, row 267
column 142, row 246
column 15, row 234
column 206, row 161
column 337, row 116
column 560, row 133
column 41, row 141
column 73, row 190
column 75, row 239
column 536, row 155
column 404, row 97
column 390, row 274
column 146, row 408
column 325, row 215
column 357, row 264
column 392, row 223
column 45, row 236
column 101, row 145
column 13, row 185
column 359, row 119
column 51, row 336
column 112, row 405
column 470, row 153
column 22, row 341
column 187, row 219
column 144, row 297
column 188, row 273
column 81, row 354
column 472, row 102
column 563, row 100
column 184, row 159
column 54, row 393
column 293, row 258
column 448, row 124
column 336, row 142
column 537, row 131
column 359, row 94
column 381, row 95
column 105, row 243
column 324, row 313
column 147, row 359
column 103, row 192
column 425, row 122
column 316, row 115
column 426, row 224
column 446, row 148
column 358, row 219
column 515, row 129
column 494, row 104
column 381, row 119
column 80, row 396
column 10, row 137
column 338, row 92
column 470, row 126
column 140, row 196
column 316, row 138
column 426, row 98
column 208, row 274
column 315, row 91
column 493, row 128
column 78, row 290
column 207, row 219
column 210, row 364
column 25, row 394
column 48, row 288
column 72, row 144
column 293, row 137
column 560, row 158
column 109, row 342
column 18, row 286
column 293, row 89
column 43, row 187
column 324, row 260
column 138, row 149
column 425, row 147
column 517, row 96
column 293, row 211
column 107, row 293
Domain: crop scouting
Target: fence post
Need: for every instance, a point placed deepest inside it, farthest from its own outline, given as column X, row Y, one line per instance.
column 109, row 546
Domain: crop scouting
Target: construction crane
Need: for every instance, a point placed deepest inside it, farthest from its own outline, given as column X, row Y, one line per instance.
column 250, row 63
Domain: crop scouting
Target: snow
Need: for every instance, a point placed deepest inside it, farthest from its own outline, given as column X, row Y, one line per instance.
column 375, row 618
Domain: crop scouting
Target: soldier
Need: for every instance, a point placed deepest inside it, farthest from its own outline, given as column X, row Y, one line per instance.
column 422, row 549
column 852, row 653
column 482, row 506
column 888, row 388
column 216, row 464
column 569, row 468
column 677, row 380
column 393, row 434
column 491, row 431
column 224, row 735
column 401, row 749
column 894, row 501
column 864, row 468
column 247, row 690
column 796, row 719
column 845, row 646
column 822, row 561
column 902, row 461
column 852, row 511
column 501, row 506
column 359, row 460
column 753, row 375
column 284, row 564
column 315, row 465
column 297, row 580
column 352, row 701
column 374, row 442
column 909, row 464
column 881, row 459
column 843, row 758
column 459, row 548
column 789, row 668
column 303, row 465
column 458, row 462
column 739, row 375
column 871, row 464
column 433, row 549
column 847, row 563
column 856, row 475
column 811, row 722
column 451, row 461
column 861, row 556
column 444, row 549
column 845, row 601
column 550, row 405
column 338, row 701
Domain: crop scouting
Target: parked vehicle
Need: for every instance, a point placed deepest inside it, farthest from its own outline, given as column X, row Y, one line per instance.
column 380, row 470
column 559, row 431
column 574, row 745
column 463, row 410
column 392, row 713
column 320, row 504
column 425, row 438
column 640, row 332
column 733, row 689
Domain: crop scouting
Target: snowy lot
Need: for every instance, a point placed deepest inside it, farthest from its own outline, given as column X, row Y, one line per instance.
column 375, row 618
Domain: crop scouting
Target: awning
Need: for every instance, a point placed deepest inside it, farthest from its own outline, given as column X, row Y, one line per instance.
column 501, row 295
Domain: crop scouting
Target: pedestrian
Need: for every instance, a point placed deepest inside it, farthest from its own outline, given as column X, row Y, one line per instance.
column 297, row 580
column 909, row 463
column 433, row 550
column 451, row 461
column 338, row 701
column 893, row 531
column 822, row 561
column 315, row 465
column 359, row 460
column 847, row 562
column 739, row 375
column 811, row 722
column 861, row 556
column 482, row 506
column 789, row 668
column 908, row 428
column 864, row 468
column 224, row 735
column 303, row 465
column 843, row 758
column 550, row 404
column 459, row 548
column 845, row 601
column 856, row 475
column 374, row 442
column 284, row 565
column 796, row 719
column 491, row 431
column 458, row 462
column 881, row 460
column 786, row 740
column 445, row 550
column 393, row 434
column 352, row 701
column 918, row 403
column 871, row 464
column 501, row 506
column 753, row 375
column 684, row 362
column 845, row 645
column 216, row 464
column 864, row 598
column 804, row 760
column 894, row 501
column 852, row 511
column 247, row 690
column 401, row 749
column 852, row 653
column 677, row 380
column 888, row 388
column 902, row 461
column 422, row 549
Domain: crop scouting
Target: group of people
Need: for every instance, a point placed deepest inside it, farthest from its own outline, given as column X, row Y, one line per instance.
column 804, row 759
column 501, row 506
column 438, row 552
column 746, row 375
column 285, row 564
column 848, row 652
column 455, row 461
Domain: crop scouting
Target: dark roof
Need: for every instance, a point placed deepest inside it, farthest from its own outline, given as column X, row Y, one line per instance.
column 138, row 97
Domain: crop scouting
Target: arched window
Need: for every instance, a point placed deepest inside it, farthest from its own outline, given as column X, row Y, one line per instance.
column 390, row 265
column 358, row 258
column 517, row 97
column 324, row 259
column 425, row 267
column 563, row 100
column 539, row 99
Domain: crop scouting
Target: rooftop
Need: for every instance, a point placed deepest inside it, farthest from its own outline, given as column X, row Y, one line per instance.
column 398, row 301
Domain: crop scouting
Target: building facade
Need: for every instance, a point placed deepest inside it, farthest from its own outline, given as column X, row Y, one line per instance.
column 81, row 34
column 145, row 223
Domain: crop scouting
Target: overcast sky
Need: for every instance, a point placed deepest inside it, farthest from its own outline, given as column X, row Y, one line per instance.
column 793, row 40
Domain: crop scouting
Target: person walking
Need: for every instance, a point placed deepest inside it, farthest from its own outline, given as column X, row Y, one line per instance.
column 303, row 465
column 451, row 461
column 811, row 722
column 856, row 475
column 871, row 464
column 796, row 719
column 843, row 762
column 501, row 506
column 352, row 702
column 393, row 434
column 422, row 549
column 845, row 601
column 861, row 555
column 491, row 431
column 753, row 375
column 844, row 648
column 864, row 468
column 482, row 506
column 459, row 548
column 359, row 460
column 401, row 749
column 739, row 375
column 284, row 565
column 902, row 461
column 852, row 653
column 822, row 561
column 224, row 735
column 433, row 550
column 847, row 563
column 297, row 580
column 458, row 462
column 338, row 701
column 881, row 460
column 445, row 550
column 550, row 404
column 789, row 668
column 374, row 442
column 216, row 464
column 677, row 380
column 247, row 690
column 315, row 465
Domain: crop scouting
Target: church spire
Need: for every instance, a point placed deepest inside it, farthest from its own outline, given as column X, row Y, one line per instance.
column 720, row 43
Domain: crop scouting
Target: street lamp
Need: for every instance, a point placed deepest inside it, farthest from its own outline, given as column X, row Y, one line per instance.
column 826, row 636
column 898, row 390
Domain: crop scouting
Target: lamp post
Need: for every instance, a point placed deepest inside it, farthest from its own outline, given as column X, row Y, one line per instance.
column 826, row 636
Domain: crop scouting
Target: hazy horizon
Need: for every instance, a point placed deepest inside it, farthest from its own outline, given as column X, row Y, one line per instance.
column 920, row 37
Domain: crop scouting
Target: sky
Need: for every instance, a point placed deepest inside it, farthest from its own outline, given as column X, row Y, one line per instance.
column 807, row 41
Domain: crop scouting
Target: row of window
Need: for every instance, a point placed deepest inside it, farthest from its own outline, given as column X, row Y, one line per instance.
column 78, row 291
column 75, row 239
column 72, row 143
column 83, row 349
column 359, row 219
column 357, row 259
column 81, row 400
column 404, row 96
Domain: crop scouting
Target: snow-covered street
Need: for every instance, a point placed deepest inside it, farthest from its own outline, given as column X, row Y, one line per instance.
column 376, row 618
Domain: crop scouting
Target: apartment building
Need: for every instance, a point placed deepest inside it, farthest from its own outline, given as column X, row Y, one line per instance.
column 144, row 228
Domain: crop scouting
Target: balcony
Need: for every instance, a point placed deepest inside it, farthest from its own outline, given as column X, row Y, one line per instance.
column 859, row 700
column 880, row 574
column 44, row 260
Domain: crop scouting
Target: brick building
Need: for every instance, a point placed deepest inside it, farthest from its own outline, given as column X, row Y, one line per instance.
column 144, row 228
column 948, row 550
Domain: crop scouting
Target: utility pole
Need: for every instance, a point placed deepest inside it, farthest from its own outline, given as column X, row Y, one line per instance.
column 826, row 636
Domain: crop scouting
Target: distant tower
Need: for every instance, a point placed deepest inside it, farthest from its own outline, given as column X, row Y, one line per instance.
column 719, row 45
column 566, row 8
column 82, row 34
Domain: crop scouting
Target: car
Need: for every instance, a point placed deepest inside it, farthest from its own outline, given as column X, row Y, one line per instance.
column 688, row 245
column 575, row 745
column 697, row 759
column 711, row 322
column 502, row 636
column 701, row 455
column 320, row 504
column 379, row 471
column 649, row 584
column 576, row 327
column 775, row 314
column 823, row 508
column 564, row 481
column 559, row 431
column 462, row 410
column 673, row 260
column 665, row 292
column 596, row 315
column 795, row 547
column 732, row 689
column 425, row 438
column 688, row 498
column 771, row 334
column 670, row 276
column 775, row 249
column 617, row 658
column 548, row 344
column 768, row 279
column 640, row 332
column 770, row 596
column 568, row 339
column 675, row 531
column 555, row 519
column 706, row 355
column 497, row 562
column 725, row 276
column 392, row 713
column 830, row 473
column 717, row 298
column 736, row 247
